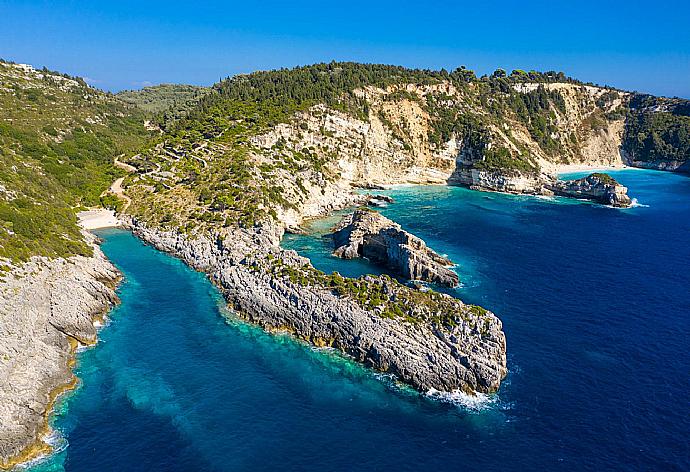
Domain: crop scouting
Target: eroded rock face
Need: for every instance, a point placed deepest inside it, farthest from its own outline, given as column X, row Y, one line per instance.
column 495, row 181
column 46, row 307
column 366, row 233
column 601, row 188
column 280, row 290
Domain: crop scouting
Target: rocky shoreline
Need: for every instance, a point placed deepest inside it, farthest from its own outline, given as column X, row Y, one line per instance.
column 427, row 340
column 47, row 309
column 597, row 187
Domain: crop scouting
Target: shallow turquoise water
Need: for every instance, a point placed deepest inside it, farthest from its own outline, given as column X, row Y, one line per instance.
column 595, row 308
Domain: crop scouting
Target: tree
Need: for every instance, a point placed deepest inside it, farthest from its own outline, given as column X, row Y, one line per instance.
column 499, row 73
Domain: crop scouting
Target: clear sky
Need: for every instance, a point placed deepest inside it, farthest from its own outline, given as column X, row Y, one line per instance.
column 124, row 44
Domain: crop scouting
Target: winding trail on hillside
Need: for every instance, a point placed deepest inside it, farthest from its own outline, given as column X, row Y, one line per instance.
column 116, row 188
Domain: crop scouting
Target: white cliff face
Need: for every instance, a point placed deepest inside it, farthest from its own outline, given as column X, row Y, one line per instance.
column 47, row 307
column 393, row 146
column 477, row 179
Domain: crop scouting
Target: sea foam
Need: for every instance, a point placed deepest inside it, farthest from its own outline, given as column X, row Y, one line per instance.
column 476, row 402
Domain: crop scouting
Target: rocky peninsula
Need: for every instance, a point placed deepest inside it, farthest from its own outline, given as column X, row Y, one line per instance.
column 428, row 340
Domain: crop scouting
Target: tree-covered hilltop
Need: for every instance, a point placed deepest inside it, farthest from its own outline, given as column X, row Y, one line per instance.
column 58, row 140
column 657, row 129
column 168, row 102
column 205, row 168
column 209, row 166
column 275, row 96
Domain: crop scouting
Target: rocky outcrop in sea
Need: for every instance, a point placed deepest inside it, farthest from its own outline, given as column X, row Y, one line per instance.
column 367, row 233
column 600, row 188
column 47, row 309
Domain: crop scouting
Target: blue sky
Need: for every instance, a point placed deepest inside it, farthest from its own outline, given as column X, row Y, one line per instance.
column 634, row 45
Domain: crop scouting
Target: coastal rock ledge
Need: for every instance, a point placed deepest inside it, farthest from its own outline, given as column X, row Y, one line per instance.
column 367, row 233
column 428, row 340
column 47, row 309
column 601, row 188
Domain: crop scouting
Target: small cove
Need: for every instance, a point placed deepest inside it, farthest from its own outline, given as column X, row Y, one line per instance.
column 595, row 308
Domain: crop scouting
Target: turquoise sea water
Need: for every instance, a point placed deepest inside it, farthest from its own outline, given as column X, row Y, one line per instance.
column 595, row 305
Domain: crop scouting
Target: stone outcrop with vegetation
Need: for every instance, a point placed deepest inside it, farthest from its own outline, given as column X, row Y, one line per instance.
column 598, row 187
column 367, row 233
column 426, row 339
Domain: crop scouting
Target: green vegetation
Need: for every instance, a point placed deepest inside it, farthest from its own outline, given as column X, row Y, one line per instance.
column 535, row 110
column 496, row 96
column 604, row 178
column 658, row 129
column 169, row 102
column 500, row 159
column 239, row 183
column 382, row 294
column 58, row 138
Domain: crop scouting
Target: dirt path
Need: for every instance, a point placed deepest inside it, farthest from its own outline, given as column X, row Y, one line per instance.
column 116, row 188
column 124, row 166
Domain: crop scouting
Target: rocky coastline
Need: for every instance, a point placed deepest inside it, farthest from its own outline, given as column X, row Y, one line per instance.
column 430, row 341
column 600, row 188
column 47, row 309
column 597, row 187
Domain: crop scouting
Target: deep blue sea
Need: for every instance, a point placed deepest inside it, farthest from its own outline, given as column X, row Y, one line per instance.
column 596, row 308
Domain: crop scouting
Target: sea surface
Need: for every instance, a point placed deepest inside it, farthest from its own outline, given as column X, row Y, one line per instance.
column 596, row 308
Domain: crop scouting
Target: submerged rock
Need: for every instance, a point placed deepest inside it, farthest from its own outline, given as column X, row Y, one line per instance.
column 367, row 233
column 601, row 188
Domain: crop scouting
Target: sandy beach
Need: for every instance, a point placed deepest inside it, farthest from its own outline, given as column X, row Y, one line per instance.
column 100, row 218
column 568, row 168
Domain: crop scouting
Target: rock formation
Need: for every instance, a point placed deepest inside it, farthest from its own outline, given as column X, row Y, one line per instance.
column 47, row 308
column 600, row 188
column 428, row 340
column 367, row 233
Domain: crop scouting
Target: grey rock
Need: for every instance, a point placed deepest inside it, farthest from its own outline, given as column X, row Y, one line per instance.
column 46, row 308
column 469, row 356
column 600, row 188
column 366, row 233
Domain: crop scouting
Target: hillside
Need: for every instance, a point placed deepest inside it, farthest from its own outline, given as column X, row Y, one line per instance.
column 275, row 143
column 235, row 166
column 58, row 140
column 168, row 102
